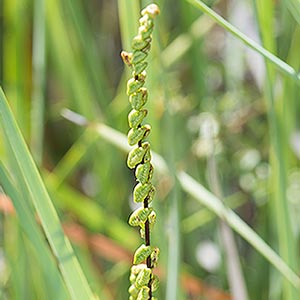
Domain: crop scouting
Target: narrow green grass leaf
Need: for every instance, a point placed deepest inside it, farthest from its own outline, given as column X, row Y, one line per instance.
column 294, row 8
column 16, row 52
column 71, row 69
column 60, row 245
column 113, row 136
column 280, row 64
column 204, row 216
column 206, row 198
column 38, row 81
column 88, row 212
column 129, row 13
column 171, row 128
column 278, row 134
column 179, row 46
column 17, row 262
column 290, row 89
column 209, row 200
column 32, row 230
column 94, row 68
column 74, row 156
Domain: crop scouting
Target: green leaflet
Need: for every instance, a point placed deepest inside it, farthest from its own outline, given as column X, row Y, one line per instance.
column 139, row 216
column 143, row 278
column 141, row 254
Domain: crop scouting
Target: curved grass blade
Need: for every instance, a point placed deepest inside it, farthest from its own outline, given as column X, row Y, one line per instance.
column 32, row 230
column 280, row 64
column 60, row 245
column 201, row 194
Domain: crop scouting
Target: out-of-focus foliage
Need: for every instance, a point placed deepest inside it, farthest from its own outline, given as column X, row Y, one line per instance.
column 211, row 96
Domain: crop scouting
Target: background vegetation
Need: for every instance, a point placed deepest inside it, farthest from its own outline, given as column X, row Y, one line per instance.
column 225, row 118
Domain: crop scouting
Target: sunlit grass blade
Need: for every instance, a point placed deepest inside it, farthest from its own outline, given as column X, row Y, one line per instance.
column 60, row 245
column 206, row 198
column 204, row 216
column 32, row 230
column 113, row 136
column 278, row 133
column 280, row 64
column 209, row 200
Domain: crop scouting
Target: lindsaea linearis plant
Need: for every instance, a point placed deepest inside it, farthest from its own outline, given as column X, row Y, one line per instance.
column 143, row 281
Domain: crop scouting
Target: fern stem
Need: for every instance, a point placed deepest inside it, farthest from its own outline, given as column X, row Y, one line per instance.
column 139, row 158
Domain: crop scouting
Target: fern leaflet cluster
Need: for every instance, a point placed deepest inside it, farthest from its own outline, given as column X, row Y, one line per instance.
column 143, row 281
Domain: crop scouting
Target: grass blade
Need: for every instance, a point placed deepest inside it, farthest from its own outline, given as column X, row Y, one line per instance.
column 204, row 216
column 280, row 64
column 31, row 228
column 234, row 271
column 89, row 213
column 38, row 80
column 294, row 8
column 60, row 245
column 128, row 16
column 94, row 68
column 278, row 133
column 180, row 46
column 74, row 156
column 206, row 198
column 63, row 55
column 15, row 53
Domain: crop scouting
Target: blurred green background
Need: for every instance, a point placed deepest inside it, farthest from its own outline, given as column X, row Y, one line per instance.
column 218, row 111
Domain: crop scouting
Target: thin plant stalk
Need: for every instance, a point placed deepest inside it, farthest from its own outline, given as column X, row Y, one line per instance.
column 15, row 52
column 170, row 125
column 287, row 246
column 143, row 281
column 234, row 270
column 173, row 269
column 38, row 80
